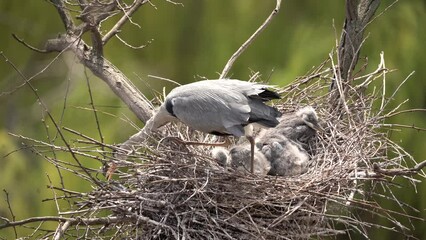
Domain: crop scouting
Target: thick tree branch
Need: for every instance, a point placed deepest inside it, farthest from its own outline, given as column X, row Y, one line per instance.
column 106, row 71
column 64, row 14
column 358, row 15
column 92, row 57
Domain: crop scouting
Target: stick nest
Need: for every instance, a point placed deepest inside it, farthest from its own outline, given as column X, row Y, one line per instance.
column 166, row 190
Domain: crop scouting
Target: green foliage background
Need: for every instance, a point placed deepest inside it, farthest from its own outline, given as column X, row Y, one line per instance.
column 185, row 44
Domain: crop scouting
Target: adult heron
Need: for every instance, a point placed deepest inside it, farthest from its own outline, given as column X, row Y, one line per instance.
column 220, row 107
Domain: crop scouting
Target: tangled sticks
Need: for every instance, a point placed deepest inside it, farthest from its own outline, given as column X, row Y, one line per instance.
column 167, row 190
column 281, row 151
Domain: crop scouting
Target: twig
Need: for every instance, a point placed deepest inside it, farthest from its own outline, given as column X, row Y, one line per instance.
column 27, row 45
column 116, row 29
column 395, row 125
column 400, row 172
column 51, row 118
column 72, row 221
column 11, row 213
column 61, row 230
column 164, row 79
column 243, row 47
column 131, row 46
column 95, row 113
column 405, row 111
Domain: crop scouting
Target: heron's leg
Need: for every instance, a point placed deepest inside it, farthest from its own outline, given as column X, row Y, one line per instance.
column 252, row 144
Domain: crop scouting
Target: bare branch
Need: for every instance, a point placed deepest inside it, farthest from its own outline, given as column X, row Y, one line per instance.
column 400, row 172
column 65, row 15
column 62, row 228
column 71, row 221
column 11, row 212
column 131, row 46
column 358, row 16
column 249, row 41
column 106, row 71
column 127, row 14
column 27, row 45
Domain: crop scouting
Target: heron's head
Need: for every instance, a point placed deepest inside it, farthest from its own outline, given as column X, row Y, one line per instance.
column 163, row 115
column 309, row 116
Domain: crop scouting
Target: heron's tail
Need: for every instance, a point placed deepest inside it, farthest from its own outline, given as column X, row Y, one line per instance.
column 263, row 114
column 267, row 95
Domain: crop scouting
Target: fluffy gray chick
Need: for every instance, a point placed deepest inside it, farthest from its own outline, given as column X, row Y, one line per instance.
column 300, row 126
column 239, row 159
column 287, row 158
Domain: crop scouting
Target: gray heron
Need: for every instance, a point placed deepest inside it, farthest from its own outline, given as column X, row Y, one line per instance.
column 220, row 107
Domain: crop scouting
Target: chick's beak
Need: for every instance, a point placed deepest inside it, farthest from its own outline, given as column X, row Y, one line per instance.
column 314, row 125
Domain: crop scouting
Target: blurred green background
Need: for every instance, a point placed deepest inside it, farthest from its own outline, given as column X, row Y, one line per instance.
column 186, row 43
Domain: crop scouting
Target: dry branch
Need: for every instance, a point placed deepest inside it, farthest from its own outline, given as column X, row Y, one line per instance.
column 358, row 16
column 250, row 40
column 92, row 56
column 106, row 71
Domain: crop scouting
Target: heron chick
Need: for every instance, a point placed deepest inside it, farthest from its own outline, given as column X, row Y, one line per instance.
column 287, row 157
column 300, row 126
column 220, row 107
column 238, row 158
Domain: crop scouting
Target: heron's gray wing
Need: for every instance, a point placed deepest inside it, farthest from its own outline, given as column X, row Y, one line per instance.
column 249, row 89
column 211, row 109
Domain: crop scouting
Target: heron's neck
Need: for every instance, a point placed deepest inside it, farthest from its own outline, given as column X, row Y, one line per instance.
column 158, row 120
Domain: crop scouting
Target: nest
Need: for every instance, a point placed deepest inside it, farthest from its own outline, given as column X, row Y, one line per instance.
column 166, row 190
column 170, row 190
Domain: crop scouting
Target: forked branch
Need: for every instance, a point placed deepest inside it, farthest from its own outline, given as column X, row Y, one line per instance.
column 91, row 57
